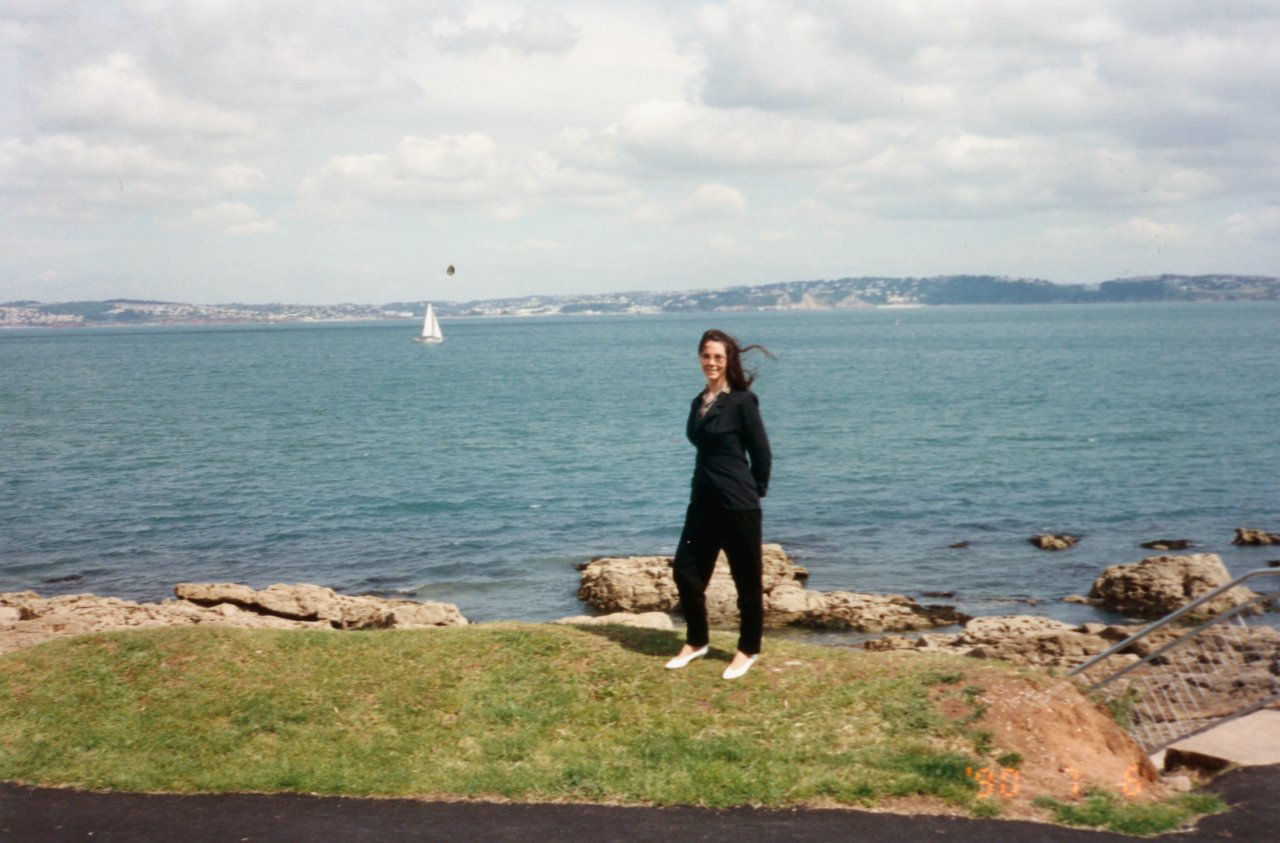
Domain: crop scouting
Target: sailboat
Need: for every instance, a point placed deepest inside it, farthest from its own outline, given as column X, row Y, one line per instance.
column 430, row 327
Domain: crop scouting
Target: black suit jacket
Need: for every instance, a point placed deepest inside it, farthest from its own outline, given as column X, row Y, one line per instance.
column 731, row 431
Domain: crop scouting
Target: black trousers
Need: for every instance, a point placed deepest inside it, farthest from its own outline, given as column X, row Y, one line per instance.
column 709, row 528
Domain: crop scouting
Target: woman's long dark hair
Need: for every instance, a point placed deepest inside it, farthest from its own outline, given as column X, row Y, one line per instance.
column 733, row 372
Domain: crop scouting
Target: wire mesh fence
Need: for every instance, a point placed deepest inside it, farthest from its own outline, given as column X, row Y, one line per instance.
column 1189, row 672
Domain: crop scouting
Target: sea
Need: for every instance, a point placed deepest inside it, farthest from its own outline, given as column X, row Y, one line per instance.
column 486, row 470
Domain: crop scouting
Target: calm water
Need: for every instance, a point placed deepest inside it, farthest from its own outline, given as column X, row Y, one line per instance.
column 480, row 472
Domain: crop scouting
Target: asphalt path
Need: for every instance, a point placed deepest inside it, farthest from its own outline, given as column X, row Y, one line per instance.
column 50, row 815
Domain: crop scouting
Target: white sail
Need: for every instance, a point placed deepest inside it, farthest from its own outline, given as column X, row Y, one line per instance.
column 430, row 327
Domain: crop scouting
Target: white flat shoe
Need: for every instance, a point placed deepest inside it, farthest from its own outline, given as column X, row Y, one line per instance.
column 732, row 672
column 680, row 661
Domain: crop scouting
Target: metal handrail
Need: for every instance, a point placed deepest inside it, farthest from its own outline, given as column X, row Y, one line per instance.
column 1168, row 619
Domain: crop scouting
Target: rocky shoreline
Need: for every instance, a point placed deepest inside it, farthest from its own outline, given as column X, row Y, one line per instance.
column 639, row 591
column 645, row 584
column 27, row 619
column 1149, row 588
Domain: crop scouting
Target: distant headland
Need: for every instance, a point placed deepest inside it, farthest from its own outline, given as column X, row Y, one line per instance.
column 841, row 293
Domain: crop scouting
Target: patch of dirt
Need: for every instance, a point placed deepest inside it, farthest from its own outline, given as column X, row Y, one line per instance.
column 1067, row 745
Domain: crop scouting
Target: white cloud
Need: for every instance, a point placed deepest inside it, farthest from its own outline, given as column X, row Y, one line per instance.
column 707, row 203
column 16, row 34
column 720, row 200
column 235, row 219
column 625, row 54
column 1190, row 75
column 239, row 178
column 975, row 175
column 459, row 169
column 443, row 169
column 812, row 57
column 1260, row 224
column 44, row 161
column 452, row 157
column 1143, row 231
column 66, row 177
column 728, row 244
column 545, row 176
column 693, row 137
column 526, row 247
column 538, row 30
column 117, row 94
column 541, row 31
column 1140, row 233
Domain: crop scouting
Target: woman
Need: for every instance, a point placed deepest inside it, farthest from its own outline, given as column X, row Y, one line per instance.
column 724, row 507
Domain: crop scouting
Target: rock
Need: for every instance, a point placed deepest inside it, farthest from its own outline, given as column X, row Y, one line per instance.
column 1254, row 537
column 306, row 602
column 1051, row 541
column 923, row 643
column 645, row 584
column 410, row 614
column 1028, row 639
column 935, row 642
column 358, row 613
column 300, row 602
column 880, row 613
column 1158, row 585
column 1167, row 544
column 1024, row 639
column 211, row 594
column 42, row 620
column 1079, row 598
column 995, row 628
column 643, row 620
column 306, row 607
column 629, row 584
column 938, row 595
column 791, row 603
column 890, row 642
column 21, row 601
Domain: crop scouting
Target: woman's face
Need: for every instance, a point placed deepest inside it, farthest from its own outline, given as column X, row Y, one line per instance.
column 713, row 360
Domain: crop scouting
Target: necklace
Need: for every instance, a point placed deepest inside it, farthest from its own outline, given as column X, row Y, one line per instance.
column 709, row 398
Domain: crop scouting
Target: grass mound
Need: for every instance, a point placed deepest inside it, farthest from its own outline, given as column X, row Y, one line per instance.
column 511, row 711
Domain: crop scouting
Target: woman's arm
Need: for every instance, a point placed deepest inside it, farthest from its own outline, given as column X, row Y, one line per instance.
column 756, row 442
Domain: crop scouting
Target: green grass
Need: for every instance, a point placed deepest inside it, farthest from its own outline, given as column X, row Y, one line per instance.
column 1110, row 812
column 1121, row 706
column 522, row 712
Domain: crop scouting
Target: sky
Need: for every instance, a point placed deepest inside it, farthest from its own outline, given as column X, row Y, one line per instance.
column 220, row 151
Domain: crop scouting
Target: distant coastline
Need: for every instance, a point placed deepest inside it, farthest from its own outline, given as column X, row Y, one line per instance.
column 843, row 293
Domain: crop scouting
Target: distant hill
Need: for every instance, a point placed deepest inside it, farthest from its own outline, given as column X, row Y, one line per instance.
column 879, row 292
column 783, row 295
